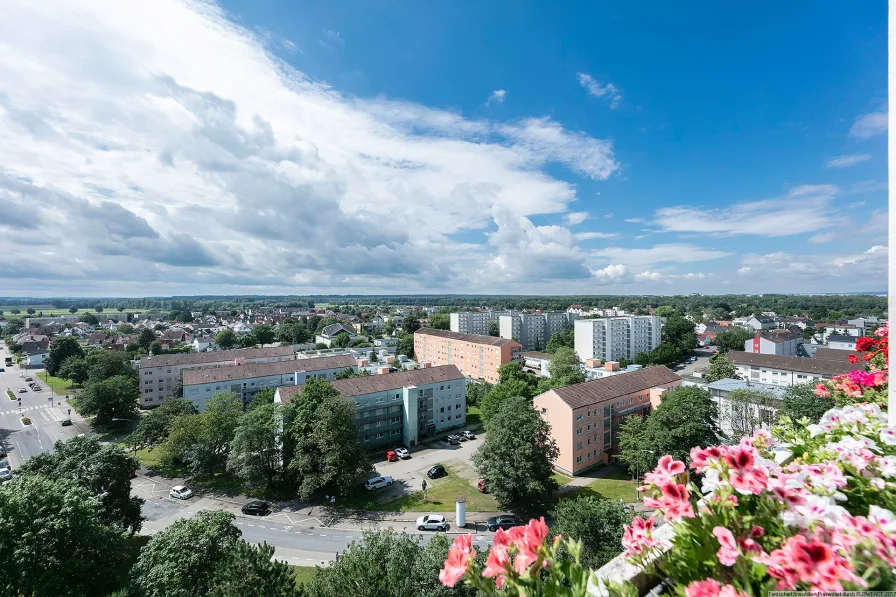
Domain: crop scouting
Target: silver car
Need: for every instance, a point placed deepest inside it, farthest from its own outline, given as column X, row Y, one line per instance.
column 5, row 474
column 378, row 482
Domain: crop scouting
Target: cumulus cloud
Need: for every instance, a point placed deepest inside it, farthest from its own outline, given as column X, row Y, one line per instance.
column 845, row 161
column 497, row 97
column 593, row 235
column 662, row 253
column 176, row 138
column 806, row 208
column 595, row 89
column 611, row 273
column 869, row 125
column 576, row 217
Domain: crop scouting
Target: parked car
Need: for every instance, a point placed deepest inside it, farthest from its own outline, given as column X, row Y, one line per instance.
column 29, row 379
column 432, row 522
column 65, row 422
column 467, row 435
column 453, row 440
column 5, row 474
column 22, row 390
column 402, row 453
column 505, row 521
column 436, row 472
column 378, row 482
column 132, row 474
column 2, row 452
column 2, row 369
column 36, row 388
column 391, row 456
column 256, row 508
column 481, row 486
column 179, row 492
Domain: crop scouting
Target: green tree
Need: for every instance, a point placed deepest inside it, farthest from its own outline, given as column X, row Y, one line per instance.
column 686, row 417
column 263, row 333
column 155, row 348
column 113, row 398
column 346, row 373
column 146, row 337
column 98, row 308
column 808, row 332
column 679, row 332
column 15, row 311
column 405, row 345
column 559, row 340
column 499, row 394
column 75, row 369
column 801, row 401
column 226, row 339
column 73, row 309
column 102, row 470
column 54, row 540
column 219, row 421
column 251, row 570
column 295, row 333
column 565, row 368
column 255, row 451
column 154, row 428
column 411, row 324
column 105, row 364
column 597, row 523
column 384, row 563
column 62, row 348
column 513, row 371
column 666, row 354
column 476, row 392
column 720, row 368
column 440, row 321
column 342, row 340
column 732, row 339
column 747, row 410
column 665, row 311
column 262, row 397
column 515, row 458
column 642, row 358
column 494, row 328
column 623, row 363
column 30, row 311
column 248, row 341
column 187, row 558
column 323, row 450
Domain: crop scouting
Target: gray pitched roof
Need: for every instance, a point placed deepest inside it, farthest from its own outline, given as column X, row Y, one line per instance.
column 834, row 354
column 222, row 356
column 474, row 338
column 774, row 361
column 335, row 329
column 841, row 338
column 251, row 370
column 610, row 388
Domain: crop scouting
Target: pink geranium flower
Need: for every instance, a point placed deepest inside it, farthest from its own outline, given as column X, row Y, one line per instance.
column 728, row 552
column 666, row 471
column 701, row 459
column 498, row 558
column 822, row 390
column 674, row 502
column 459, row 556
column 712, row 588
column 637, row 538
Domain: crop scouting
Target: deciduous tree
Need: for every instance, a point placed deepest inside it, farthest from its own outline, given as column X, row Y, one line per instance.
column 146, row 337
column 256, row 449
column 263, row 333
column 154, row 428
column 801, row 401
column 747, row 410
column 62, row 348
column 501, row 393
column 226, row 339
column 560, row 340
column 720, row 368
column 732, row 339
column 440, row 321
column 494, row 329
column 515, row 458
column 75, row 369
column 596, row 522
column 113, row 398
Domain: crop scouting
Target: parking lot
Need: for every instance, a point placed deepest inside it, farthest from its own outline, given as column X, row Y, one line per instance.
column 700, row 365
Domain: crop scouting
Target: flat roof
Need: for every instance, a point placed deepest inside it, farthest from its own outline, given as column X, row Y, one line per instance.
column 250, row 370
column 220, row 356
column 474, row 338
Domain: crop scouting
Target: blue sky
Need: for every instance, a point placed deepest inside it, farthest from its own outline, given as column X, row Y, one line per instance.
column 506, row 147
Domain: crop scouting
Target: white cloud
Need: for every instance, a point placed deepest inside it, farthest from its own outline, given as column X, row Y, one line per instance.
column 869, row 125
column 663, row 253
column 576, row 217
column 805, row 208
column 173, row 121
column 652, row 276
column 331, row 39
column 864, row 271
column 845, row 161
column 597, row 90
column 824, row 237
column 608, row 216
column 635, row 220
column 593, row 235
column 744, row 270
column 875, row 253
column 611, row 273
column 497, row 96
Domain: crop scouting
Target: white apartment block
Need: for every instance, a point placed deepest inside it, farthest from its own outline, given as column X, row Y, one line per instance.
column 779, row 370
column 614, row 338
column 159, row 373
column 474, row 322
column 533, row 330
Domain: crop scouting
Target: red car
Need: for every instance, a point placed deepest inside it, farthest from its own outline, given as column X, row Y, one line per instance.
column 481, row 486
column 391, row 456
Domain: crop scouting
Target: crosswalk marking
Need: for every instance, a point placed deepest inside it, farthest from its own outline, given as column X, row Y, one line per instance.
column 25, row 408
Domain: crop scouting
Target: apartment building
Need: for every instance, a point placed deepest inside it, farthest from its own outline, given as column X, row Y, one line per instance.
column 781, row 342
column 247, row 380
column 734, row 418
column 779, row 370
column 585, row 417
column 842, row 342
column 614, row 338
column 477, row 356
column 533, row 330
column 401, row 408
column 474, row 322
column 159, row 373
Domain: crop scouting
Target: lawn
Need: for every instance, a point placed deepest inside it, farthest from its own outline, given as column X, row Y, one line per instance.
column 561, row 479
column 11, row 395
column 59, row 385
column 225, row 482
column 441, row 495
column 152, row 460
column 474, row 417
column 617, row 485
column 302, row 574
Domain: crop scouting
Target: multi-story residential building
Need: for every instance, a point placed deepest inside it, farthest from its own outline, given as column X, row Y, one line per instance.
column 474, row 322
column 842, row 342
column 782, row 342
column 247, row 380
column 158, row 374
column 781, row 370
column 760, row 323
column 585, row 417
column 477, row 356
column 533, row 330
column 401, row 408
column 614, row 338
column 739, row 418
column 866, row 325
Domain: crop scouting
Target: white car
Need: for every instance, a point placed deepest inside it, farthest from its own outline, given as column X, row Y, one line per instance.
column 432, row 522
column 179, row 492
column 5, row 474
column 402, row 453
column 378, row 482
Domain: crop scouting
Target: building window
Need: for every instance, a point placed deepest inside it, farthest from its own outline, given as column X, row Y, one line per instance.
column 579, row 431
column 578, row 460
column 544, row 410
column 578, row 417
column 579, row 446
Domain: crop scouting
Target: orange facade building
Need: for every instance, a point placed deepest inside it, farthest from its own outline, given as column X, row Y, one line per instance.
column 477, row 357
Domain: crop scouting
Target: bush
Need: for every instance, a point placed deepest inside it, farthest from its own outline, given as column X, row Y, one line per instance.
column 26, row 421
